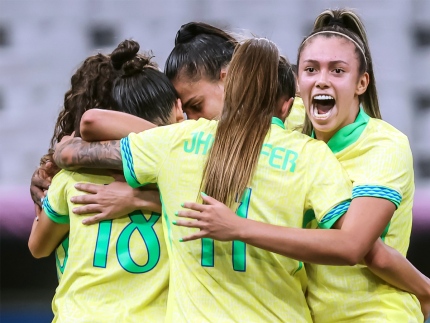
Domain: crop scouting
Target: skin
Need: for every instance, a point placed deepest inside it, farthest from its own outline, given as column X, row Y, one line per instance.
column 330, row 66
column 202, row 98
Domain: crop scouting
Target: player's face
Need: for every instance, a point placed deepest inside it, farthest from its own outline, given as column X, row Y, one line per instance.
column 200, row 99
column 330, row 84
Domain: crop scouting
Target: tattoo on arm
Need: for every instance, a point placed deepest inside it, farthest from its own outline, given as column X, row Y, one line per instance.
column 79, row 153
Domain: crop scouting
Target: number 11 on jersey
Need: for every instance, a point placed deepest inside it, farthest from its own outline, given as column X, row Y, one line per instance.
column 239, row 247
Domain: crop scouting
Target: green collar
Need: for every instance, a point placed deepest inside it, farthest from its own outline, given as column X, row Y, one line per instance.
column 278, row 122
column 349, row 134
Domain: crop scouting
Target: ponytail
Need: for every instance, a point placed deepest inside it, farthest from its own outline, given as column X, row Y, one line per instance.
column 347, row 23
column 250, row 103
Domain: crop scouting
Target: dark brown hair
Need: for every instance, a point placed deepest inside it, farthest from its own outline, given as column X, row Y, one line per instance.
column 200, row 50
column 347, row 22
column 251, row 92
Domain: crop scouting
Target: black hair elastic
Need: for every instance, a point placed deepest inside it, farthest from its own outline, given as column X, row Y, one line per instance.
column 336, row 22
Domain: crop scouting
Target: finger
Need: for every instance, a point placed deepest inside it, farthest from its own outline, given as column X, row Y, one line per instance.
column 95, row 219
column 190, row 214
column 90, row 208
column 189, row 224
column 40, row 183
column 90, row 188
column 194, row 206
column 194, row 236
column 73, row 134
column 36, row 195
column 119, row 177
column 84, row 199
column 209, row 200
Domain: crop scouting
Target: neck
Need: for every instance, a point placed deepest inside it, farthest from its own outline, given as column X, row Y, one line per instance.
column 326, row 136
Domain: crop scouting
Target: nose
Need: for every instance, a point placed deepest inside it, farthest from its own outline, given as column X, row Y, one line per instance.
column 322, row 82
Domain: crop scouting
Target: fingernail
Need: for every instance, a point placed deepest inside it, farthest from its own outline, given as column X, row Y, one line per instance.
column 174, row 222
column 76, row 185
column 204, row 194
column 84, row 221
column 176, row 213
column 72, row 199
column 182, row 204
column 181, row 240
column 49, row 186
column 74, row 210
column 41, row 200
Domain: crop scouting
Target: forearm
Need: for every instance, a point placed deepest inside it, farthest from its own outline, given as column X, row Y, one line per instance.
column 148, row 200
column 325, row 247
column 390, row 265
column 100, row 125
column 77, row 153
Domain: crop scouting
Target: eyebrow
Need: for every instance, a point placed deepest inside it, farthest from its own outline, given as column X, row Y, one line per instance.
column 330, row 63
column 189, row 101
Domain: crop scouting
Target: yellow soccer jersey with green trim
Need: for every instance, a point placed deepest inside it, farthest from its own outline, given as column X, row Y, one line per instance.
column 296, row 118
column 115, row 271
column 231, row 281
column 378, row 160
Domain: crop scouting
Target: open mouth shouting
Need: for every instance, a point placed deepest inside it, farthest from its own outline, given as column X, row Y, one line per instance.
column 322, row 106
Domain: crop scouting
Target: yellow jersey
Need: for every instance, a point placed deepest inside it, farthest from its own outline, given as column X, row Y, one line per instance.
column 115, row 271
column 296, row 118
column 61, row 254
column 378, row 160
column 231, row 281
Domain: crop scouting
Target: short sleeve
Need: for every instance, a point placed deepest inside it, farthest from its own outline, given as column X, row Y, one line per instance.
column 55, row 202
column 144, row 153
column 388, row 168
column 329, row 194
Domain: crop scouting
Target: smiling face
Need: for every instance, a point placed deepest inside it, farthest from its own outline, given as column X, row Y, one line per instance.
column 330, row 84
column 202, row 98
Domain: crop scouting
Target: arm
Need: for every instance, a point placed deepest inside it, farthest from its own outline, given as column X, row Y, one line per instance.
column 74, row 153
column 346, row 246
column 390, row 265
column 114, row 201
column 45, row 235
column 99, row 125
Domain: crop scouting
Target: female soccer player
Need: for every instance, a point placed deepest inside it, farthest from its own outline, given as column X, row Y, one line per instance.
column 335, row 75
column 400, row 274
column 119, row 270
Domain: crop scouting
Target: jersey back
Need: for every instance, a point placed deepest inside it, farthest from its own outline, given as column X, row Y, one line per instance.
column 114, row 271
column 214, row 281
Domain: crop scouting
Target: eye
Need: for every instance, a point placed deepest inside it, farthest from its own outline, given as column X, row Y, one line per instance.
column 338, row 70
column 310, row 69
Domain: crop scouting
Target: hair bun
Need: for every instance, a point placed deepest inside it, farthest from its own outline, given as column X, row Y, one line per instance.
column 125, row 51
column 194, row 29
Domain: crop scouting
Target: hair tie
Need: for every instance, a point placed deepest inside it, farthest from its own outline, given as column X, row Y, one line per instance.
column 336, row 22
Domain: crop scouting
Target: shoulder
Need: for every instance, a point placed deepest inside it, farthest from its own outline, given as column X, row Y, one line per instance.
column 382, row 135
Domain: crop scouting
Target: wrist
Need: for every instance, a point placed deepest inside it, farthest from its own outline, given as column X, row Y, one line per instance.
column 241, row 232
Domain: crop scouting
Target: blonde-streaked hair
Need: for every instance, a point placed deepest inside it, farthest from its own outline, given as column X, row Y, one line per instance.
column 335, row 23
column 251, row 94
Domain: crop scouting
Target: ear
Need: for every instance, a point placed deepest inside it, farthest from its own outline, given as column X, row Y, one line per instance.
column 363, row 83
column 179, row 113
column 286, row 107
column 223, row 74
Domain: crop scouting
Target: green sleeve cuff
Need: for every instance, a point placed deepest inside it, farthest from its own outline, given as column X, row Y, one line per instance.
column 54, row 216
column 377, row 191
column 335, row 213
column 127, row 163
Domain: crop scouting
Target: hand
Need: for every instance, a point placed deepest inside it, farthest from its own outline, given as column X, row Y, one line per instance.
column 41, row 180
column 215, row 221
column 113, row 201
column 425, row 302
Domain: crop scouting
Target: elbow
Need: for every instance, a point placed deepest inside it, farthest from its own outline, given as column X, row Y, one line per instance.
column 36, row 250
column 88, row 120
column 351, row 255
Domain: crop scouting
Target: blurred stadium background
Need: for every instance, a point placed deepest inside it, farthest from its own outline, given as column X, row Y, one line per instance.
column 42, row 43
